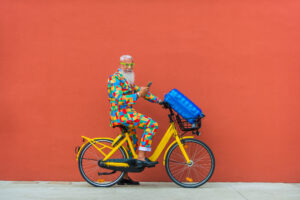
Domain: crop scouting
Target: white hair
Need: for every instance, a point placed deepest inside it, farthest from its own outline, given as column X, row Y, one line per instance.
column 124, row 57
column 129, row 76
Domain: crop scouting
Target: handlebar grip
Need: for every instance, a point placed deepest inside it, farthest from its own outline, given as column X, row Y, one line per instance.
column 165, row 104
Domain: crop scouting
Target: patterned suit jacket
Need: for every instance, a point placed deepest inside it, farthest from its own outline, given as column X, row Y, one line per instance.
column 122, row 96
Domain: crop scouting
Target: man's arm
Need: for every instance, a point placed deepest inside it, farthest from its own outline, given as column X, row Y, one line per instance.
column 149, row 96
column 115, row 92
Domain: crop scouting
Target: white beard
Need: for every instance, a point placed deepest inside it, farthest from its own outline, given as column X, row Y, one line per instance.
column 129, row 76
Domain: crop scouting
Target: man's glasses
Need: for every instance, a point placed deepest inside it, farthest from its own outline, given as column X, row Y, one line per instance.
column 127, row 64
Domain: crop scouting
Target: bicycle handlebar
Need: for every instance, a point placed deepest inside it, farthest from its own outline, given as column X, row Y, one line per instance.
column 164, row 104
column 168, row 106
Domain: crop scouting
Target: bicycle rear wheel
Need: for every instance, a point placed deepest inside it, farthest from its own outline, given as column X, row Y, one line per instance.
column 89, row 168
column 198, row 171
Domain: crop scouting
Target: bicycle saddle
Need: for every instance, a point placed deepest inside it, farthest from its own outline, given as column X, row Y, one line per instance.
column 122, row 127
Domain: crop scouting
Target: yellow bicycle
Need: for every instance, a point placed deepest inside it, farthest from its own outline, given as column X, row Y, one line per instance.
column 189, row 162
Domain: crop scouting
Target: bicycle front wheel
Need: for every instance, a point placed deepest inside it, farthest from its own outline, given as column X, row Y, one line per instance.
column 198, row 171
column 89, row 168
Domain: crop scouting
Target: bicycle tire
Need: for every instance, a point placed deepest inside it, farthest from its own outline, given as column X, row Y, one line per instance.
column 95, row 159
column 189, row 182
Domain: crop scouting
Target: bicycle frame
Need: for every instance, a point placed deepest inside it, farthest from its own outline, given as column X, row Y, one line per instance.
column 161, row 146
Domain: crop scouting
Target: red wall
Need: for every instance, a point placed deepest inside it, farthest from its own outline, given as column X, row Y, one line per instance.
column 237, row 60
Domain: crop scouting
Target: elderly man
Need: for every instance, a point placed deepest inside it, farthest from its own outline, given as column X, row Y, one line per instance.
column 123, row 94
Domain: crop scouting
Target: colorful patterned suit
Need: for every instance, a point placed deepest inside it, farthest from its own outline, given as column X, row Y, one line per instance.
column 122, row 96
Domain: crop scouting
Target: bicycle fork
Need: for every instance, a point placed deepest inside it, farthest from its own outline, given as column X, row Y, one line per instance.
column 188, row 161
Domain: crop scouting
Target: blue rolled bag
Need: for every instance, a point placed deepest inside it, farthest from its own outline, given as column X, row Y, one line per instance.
column 184, row 106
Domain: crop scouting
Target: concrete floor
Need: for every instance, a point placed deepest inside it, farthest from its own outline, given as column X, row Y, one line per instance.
column 39, row 190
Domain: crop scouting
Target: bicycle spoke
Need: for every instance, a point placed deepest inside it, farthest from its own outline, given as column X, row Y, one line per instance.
column 202, row 167
column 183, row 174
column 179, row 171
column 89, row 159
column 88, row 165
column 91, row 170
column 178, row 162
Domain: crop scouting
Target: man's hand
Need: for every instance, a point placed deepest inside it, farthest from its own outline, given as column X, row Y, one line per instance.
column 143, row 91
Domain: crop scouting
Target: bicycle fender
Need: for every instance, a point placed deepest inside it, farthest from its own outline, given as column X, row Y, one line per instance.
column 81, row 147
column 186, row 137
